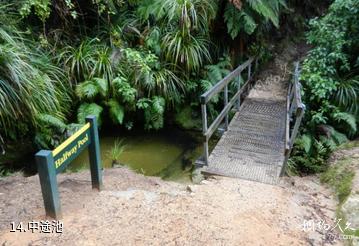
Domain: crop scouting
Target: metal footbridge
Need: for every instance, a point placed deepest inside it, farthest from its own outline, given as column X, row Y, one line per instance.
column 256, row 143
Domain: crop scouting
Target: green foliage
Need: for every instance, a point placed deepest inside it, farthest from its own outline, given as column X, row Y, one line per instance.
column 216, row 72
column 189, row 52
column 117, row 112
column 145, row 72
column 121, row 61
column 188, row 14
column 86, row 109
column 30, row 85
column 330, row 85
column 335, row 37
column 46, row 119
column 41, row 7
column 90, row 59
column 312, row 161
column 116, row 151
column 124, row 90
column 186, row 28
column 154, row 109
column 340, row 177
column 348, row 119
column 92, row 88
column 51, row 131
column 237, row 21
column 250, row 15
column 347, row 95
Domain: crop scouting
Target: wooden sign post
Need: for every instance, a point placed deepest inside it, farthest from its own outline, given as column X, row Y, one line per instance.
column 50, row 163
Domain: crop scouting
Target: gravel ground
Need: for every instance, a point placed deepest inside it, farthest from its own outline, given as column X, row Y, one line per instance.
column 137, row 210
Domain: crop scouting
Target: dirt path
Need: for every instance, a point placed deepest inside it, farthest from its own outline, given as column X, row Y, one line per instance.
column 271, row 83
column 138, row 210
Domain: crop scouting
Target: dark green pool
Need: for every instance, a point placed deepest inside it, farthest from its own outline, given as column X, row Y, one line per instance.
column 167, row 153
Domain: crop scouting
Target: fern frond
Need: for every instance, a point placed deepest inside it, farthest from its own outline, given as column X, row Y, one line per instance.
column 158, row 105
column 232, row 17
column 51, row 120
column 214, row 73
column 87, row 109
column 102, row 85
column 87, row 90
column 328, row 142
column 347, row 118
column 305, row 141
column 268, row 9
column 338, row 137
column 249, row 23
column 117, row 111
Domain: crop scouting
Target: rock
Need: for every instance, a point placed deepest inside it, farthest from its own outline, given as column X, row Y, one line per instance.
column 205, row 182
column 351, row 210
column 197, row 176
column 189, row 189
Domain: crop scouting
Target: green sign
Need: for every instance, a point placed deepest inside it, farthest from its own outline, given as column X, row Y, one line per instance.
column 71, row 148
column 50, row 163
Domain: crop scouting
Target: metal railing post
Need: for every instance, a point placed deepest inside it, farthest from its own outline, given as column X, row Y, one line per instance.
column 204, row 129
column 249, row 71
column 294, row 105
column 225, row 105
column 298, row 120
column 238, row 88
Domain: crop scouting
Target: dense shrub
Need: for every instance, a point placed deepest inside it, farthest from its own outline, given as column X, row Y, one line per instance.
column 331, row 85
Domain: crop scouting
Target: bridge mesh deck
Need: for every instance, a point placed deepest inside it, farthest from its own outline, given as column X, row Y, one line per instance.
column 253, row 147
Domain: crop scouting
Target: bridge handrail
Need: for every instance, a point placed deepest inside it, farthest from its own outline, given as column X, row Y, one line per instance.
column 295, row 112
column 208, row 95
column 217, row 88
